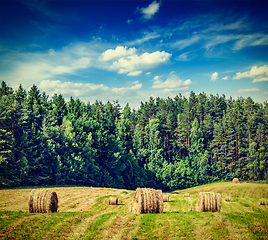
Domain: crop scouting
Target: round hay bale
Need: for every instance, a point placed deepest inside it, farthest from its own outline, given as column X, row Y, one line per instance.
column 165, row 198
column 159, row 200
column 43, row 201
column 113, row 201
column 262, row 202
column 186, row 194
column 147, row 200
column 31, row 210
column 228, row 199
column 236, row 180
column 209, row 202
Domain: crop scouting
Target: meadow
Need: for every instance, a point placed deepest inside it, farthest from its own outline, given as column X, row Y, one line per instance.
column 84, row 213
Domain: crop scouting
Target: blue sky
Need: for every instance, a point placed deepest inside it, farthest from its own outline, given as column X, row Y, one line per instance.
column 131, row 50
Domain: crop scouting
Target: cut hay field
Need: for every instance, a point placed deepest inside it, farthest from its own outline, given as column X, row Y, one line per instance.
column 85, row 213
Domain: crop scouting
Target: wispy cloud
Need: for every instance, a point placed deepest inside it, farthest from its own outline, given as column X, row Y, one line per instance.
column 217, row 27
column 181, row 44
column 148, row 12
column 251, row 40
column 89, row 91
column 249, row 90
column 238, row 34
column 147, row 37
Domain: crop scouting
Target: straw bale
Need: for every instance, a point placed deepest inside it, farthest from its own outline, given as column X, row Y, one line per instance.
column 262, row 202
column 43, row 201
column 148, row 200
column 228, row 199
column 186, row 194
column 236, row 180
column 209, row 202
column 165, row 198
column 160, row 201
column 31, row 201
column 218, row 200
column 113, row 201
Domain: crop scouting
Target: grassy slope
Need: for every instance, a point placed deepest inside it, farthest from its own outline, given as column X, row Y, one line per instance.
column 84, row 213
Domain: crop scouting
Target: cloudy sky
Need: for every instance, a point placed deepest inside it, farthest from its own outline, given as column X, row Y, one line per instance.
column 130, row 50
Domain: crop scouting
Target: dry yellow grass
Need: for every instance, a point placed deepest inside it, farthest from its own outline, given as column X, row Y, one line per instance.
column 77, row 199
column 93, row 218
column 71, row 199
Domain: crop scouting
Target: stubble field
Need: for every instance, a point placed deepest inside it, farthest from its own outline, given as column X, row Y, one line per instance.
column 84, row 213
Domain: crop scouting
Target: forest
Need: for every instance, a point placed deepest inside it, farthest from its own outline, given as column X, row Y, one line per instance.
column 172, row 143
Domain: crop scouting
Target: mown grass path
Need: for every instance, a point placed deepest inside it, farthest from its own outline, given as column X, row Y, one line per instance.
column 84, row 213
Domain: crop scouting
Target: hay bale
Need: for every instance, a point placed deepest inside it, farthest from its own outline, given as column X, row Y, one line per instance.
column 209, row 202
column 165, row 198
column 148, row 200
column 43, row 201
column 262, row 202
column 113, row 201
column 30, row 203
column 186, row 194
column 228, row 199
column 192, row 209
column 159, row 200
column 236, row 180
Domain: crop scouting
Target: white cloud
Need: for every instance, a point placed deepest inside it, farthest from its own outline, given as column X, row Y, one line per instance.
column 249, row 90
column 148, row 73
column 173, row 83
column 89, row 92
column 187, row 42
column 135, row 73
column 129, row 21
column 72, row 89
column 219, row 39
column 225, row 78
column 260, row 74
column 116, row 53
column 238, row 25
column 260, row 79
column 149, row 11
column 214, row 76
column 147, row 37
column 138, row 63
column 135, row 87
column 251, row 41
column 157, row 77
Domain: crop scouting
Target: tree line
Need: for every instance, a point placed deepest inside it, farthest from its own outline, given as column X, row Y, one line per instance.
column 171, row 143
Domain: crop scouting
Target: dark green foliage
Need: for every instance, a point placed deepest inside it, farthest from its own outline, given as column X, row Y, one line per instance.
column 167, row 143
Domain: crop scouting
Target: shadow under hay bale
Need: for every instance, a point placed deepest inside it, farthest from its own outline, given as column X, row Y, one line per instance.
column 235, row 180
column 262, row 202
column 148, row 200
column 186, row 194
column 165, row 198
column 43, row 201
column 113, row 201
column 209, row 202
column 228, row 199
